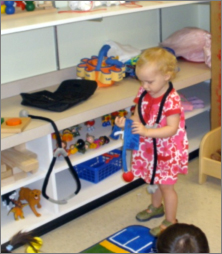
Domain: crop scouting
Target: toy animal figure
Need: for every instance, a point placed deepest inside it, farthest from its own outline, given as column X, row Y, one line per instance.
column 17, row 209
column 7, row 199
column 32, row 197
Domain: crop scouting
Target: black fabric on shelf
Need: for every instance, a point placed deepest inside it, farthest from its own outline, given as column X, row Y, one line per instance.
column 69, row 93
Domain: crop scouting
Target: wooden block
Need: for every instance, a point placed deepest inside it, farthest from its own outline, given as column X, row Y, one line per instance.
column 20, row 176
column 3, row 167
column 8, row 180
column 20, row 147
column 6, row 174
column 25, row 14
column 26, row 152
column 20, row 160
column 16, row 170
column 8, row 162
column 17, row 128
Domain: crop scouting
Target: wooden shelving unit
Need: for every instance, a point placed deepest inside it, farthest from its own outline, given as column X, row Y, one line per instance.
column 37, row 135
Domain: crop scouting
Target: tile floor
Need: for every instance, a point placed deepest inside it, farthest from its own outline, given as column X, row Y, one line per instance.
column 198, row 204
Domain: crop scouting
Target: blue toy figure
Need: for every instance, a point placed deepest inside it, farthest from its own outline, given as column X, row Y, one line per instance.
column 10, row 9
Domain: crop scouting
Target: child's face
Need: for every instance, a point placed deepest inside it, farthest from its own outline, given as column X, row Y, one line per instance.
column 153, row 80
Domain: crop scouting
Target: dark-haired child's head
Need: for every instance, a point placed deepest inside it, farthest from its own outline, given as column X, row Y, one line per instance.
column 182, row 238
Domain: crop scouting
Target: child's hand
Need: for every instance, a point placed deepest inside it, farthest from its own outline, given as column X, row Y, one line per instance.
column 120, row 121
column 139, row 128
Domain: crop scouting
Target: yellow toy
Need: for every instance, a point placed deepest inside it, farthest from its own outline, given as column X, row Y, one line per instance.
column 36, row 245
column 17, row 209
column 3, row 7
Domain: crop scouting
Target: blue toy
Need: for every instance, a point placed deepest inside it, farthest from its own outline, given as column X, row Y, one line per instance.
column 10, row 9
column 130, row 143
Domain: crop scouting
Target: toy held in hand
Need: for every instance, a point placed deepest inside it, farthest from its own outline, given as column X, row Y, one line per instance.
column 128, row 176
column 131, row 141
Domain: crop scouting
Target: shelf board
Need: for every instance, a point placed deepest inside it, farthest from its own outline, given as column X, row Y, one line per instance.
column 65, row 181
column 9, row 226
column 40, row 174
column 103, row 101
column 20, row 24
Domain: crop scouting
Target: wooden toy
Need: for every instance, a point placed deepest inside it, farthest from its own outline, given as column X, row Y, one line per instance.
column 25, row 161
column 14, row 125
column 32, row 197
column 10, row 9
column 3, row 167
column 20, row 4
column 3, row 7
column 17, row 209
column 104, row 70
column 21, row 9
column 7, row 181
column 7, row 173
column 30, row 6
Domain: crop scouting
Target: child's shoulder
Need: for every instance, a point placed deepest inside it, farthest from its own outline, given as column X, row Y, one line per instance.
column 174, row 95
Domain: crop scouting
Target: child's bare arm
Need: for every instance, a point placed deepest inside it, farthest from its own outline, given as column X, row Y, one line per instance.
column 167, row 131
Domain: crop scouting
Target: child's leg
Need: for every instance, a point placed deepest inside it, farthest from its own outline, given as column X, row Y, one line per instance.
column 156, row 198
column 170, row 202
column 154, row 210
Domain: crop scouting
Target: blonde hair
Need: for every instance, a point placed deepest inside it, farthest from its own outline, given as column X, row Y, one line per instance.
column 166, row 62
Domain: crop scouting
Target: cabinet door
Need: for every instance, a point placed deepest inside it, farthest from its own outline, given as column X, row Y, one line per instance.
column 27, row 54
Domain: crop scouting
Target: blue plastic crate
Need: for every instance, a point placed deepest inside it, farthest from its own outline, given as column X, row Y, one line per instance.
column 99, row 168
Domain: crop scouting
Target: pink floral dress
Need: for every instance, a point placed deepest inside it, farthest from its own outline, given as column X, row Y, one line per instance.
column 172, row 151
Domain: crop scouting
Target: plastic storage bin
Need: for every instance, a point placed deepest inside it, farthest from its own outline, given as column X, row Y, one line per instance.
column 99, row 168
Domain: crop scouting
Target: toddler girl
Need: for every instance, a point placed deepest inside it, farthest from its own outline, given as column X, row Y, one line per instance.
column 159, row 120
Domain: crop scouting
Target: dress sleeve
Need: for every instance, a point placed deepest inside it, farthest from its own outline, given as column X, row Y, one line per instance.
column 136, row 100
column 173, row 104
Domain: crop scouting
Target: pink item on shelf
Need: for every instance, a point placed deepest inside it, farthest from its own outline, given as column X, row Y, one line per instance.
column 191, row 43
column 187, row 106
column 196, row 102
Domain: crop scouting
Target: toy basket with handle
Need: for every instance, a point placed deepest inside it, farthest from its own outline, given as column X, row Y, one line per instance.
column 102, row 69
column 99, row 168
